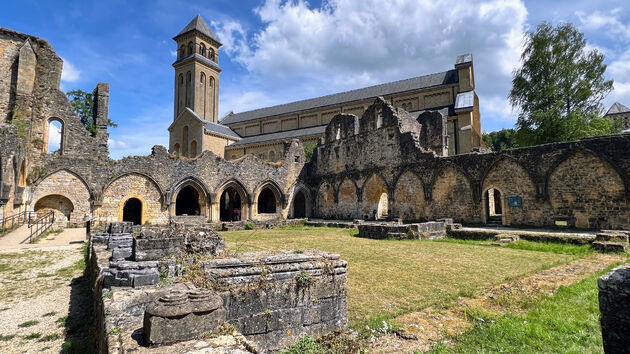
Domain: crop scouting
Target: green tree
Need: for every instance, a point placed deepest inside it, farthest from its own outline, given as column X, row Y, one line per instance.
column 559, row 88
column 500, row 140
column 83, row 104
column 308, row 152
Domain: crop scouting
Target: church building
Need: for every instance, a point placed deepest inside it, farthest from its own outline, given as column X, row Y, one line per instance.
column 263, row 132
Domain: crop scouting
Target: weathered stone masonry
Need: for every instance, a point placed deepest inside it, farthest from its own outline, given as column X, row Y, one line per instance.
column 377, row 162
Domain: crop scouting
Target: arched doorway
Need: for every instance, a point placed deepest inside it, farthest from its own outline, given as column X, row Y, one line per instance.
column 132, row 211
column 299, row 205
column 266, row 202
column 187, row 202
column 494, row 208
column 230, row 205
column 382, row 210
column 61, row 205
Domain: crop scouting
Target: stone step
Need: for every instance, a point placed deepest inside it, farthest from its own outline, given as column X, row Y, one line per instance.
column 612, row 237
column 610, row 247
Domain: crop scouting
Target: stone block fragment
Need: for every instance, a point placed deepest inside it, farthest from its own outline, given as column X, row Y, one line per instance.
column 614, row 297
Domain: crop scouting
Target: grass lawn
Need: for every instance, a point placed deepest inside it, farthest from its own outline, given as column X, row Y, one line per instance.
column 387, row 278
column 567, row 322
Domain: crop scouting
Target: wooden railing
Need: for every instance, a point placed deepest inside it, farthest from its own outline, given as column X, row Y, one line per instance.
column 40, row 225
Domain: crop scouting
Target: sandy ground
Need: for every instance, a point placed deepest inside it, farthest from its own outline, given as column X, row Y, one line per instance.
column 17, row 239
column 38, row 293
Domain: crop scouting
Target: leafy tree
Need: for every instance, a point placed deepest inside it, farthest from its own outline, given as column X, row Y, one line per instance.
column 308, row 152
column 83, row 104
column 559, row 88
column 500, row 140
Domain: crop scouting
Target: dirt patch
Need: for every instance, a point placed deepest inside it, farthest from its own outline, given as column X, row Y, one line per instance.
column 424, row 328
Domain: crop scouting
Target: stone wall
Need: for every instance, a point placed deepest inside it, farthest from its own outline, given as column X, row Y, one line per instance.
column 585, row 184
column 614, row 297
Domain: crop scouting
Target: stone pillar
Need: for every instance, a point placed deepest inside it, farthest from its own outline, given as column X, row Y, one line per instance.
column 614, row 305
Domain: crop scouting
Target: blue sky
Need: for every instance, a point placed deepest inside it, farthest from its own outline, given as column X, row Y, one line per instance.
column 279, row 51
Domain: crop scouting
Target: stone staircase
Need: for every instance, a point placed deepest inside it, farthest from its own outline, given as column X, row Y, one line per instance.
column 504, row 239
column 611, row 241
column 495, row 220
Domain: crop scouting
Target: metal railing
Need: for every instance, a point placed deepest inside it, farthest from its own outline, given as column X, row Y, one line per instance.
column 40, row 225
column 17, row 220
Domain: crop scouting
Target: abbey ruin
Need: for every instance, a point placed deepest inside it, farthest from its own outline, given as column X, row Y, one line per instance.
column 409, row 150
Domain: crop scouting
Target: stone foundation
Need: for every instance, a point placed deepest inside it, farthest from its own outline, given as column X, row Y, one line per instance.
column 428, row 230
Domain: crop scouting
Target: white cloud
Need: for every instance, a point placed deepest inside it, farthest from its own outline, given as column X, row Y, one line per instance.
column 609, row 22
column 303, row 52
column 54, row 136
column 619, row 71
column 69, row 73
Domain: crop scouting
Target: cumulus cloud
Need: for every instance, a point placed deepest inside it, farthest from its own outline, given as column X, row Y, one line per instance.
column 54, row 136
column 346, row 44
column 619, row 71
column 69, row 73
column 610, row 22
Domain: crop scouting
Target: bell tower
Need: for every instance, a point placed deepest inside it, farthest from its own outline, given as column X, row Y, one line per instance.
column 197, row 70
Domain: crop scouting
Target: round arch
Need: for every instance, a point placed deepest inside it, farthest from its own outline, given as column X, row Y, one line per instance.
column 375, row 197
column 494, row 206
column 300, row 204
column 140, row 174
column 62, row 132
column 60, row 204
column 133, row 209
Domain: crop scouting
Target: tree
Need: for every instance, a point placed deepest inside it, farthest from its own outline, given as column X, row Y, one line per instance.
column 83, row 104
column 559, row 88
column 500, row 140
column 308, row 152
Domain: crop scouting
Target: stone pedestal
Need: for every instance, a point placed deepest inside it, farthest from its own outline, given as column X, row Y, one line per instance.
column 181, row 315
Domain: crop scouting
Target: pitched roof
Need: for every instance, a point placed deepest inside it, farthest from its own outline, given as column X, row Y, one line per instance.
column 415, row 83
column 221, row 129
column 198, row 24
column 281, row 136
column 617, row 108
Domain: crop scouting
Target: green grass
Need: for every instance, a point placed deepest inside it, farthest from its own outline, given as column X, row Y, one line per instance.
column 388, row 278
column 28, row 323
column 43, row 236
column 70, row 271
column 52, row 313
column 32, row 336
column 553, row 247
column 567, row 322
column 50, row 337
column 6, row 338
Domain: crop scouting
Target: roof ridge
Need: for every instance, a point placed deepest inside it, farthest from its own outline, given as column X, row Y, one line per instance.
column 367, row 88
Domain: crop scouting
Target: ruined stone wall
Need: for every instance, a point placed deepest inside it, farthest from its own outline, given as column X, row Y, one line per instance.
column 585, row 183
column 156, row 181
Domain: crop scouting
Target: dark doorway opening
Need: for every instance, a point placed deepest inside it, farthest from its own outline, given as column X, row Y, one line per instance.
column 132, row 211
column 266, row 202
column 299, row 205
column 230, row 204
column 494, row 209
column 187, row 202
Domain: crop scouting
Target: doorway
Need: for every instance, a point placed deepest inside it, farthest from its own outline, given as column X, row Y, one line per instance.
column 132, row 211
column 187, row 202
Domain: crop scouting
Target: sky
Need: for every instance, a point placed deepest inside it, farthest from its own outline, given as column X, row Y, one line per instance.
column 277, row 51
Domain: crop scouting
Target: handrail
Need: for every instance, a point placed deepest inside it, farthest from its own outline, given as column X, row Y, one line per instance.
column 42, row 224
column 18, row 219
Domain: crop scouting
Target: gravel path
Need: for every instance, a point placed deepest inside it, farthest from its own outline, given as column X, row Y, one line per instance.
column 37, row 287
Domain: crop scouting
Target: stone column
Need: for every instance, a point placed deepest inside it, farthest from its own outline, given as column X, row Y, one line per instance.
column 614, row 305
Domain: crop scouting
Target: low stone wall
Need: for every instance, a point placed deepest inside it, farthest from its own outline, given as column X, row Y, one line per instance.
column 272, row 299
column 258, row 224
column 276, row 299
column 614, row 306
column 488, row 234
column 427, row 230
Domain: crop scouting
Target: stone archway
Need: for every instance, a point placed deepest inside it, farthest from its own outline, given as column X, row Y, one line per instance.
column 188, row 201
column 266, row 202
column 299, row 205
column 61, row 205
column 230, row 205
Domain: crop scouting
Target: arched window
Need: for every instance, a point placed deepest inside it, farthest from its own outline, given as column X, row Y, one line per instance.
column 54, row 137
column 205, row 93
column 193, row 148
column 266, row 202
column 185, row 140
column 211, row 54
column 180, row 93
column 22, row 180
column 202, row 78
column 272, row 156
column 190, row 48
column 182, row 51
column 176, row 148
column 202, row 49
column 188, row 89
column 211, row 82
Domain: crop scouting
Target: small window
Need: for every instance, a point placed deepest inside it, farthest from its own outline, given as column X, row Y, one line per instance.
column 211, row 54
column 203, row 78
column 182, row 51
column 410, row 107
column 297, row 158
column 272, row 156
column 190, row 48
column 176, row 149
column 54, row 143
column 202, row 49
column 211, row 82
